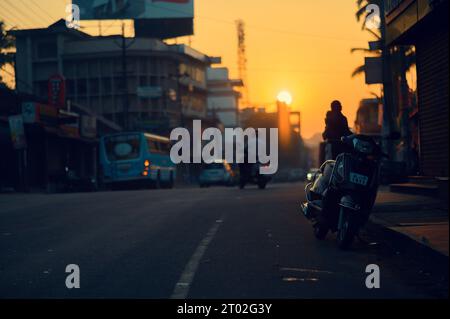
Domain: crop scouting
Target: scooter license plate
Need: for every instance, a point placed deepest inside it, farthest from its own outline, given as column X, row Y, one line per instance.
column 359, row 179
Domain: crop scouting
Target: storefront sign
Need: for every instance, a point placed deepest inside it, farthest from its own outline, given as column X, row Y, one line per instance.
column 47, row 114
column 30, row 112
column 17, row 132
column 88, row 126
column 56, row 91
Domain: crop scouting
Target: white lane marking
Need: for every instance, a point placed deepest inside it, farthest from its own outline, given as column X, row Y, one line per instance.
column 187, row 277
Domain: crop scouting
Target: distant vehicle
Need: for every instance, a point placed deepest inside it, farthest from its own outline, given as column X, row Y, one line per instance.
column 217, row 173
column 250, row 174
column 136, row 158
column 310, row 176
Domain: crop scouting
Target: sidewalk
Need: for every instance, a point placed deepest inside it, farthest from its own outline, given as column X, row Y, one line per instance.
column 416, row 220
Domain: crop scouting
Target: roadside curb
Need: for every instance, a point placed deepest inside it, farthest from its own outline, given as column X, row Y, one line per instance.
column 403, row 244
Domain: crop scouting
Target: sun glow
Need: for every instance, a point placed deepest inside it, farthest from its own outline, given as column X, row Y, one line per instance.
column 285, row 97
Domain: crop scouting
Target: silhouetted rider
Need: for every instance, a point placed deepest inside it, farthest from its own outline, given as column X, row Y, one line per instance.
column 336, row 127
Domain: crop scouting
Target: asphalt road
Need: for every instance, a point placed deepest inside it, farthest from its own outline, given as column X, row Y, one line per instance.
column 182, row 243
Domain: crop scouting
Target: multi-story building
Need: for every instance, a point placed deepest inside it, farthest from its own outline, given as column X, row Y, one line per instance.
column 155, row 86
column 223, row 99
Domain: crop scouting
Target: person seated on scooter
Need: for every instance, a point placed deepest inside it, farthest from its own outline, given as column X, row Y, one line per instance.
column 336, row 127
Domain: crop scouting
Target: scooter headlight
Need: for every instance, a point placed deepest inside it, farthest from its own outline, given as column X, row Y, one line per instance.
column 362, row 146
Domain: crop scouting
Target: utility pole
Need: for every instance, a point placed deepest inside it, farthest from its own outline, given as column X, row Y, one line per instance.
column 124, row 46
column 388, row 100
column 124, row 79
column 242, row 63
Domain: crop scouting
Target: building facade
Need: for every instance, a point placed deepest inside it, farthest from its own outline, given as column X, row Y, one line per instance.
column 149, row 86
column 223, row 99
column 424, row 24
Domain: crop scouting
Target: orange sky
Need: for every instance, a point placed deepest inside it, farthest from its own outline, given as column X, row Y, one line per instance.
column 302, row 46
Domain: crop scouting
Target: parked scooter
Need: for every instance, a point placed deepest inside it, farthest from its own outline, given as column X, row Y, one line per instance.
column 250, row 174
column 342, row 194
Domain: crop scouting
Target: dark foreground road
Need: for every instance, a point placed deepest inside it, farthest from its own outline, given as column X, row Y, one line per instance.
column 208, row 243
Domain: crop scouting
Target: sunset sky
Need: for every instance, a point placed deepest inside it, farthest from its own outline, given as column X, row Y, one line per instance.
column 302, row 46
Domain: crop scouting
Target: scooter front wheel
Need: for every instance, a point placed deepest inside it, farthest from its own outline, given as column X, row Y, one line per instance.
column 348, row 229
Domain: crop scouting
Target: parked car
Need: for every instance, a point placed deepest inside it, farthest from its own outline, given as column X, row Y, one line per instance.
column 217, row 173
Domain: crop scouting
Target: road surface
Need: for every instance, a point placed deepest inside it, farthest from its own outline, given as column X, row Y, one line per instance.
column 182, row 243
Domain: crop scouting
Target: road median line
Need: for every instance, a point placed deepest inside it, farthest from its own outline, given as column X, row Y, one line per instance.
column 183, row 285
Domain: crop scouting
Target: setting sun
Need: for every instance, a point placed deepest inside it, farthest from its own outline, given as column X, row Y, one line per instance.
column 285, row 97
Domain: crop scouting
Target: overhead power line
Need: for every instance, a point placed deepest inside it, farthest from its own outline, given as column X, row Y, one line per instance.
column 42, row 10
column 12, row 15
column 21, row 12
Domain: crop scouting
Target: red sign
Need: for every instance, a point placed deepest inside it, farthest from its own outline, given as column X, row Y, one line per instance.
column 57, row 91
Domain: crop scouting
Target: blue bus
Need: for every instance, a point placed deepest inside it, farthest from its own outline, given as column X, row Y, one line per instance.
column 136, row 158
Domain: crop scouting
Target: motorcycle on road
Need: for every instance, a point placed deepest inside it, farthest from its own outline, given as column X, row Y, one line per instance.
column 341, row 196
column 250, row 174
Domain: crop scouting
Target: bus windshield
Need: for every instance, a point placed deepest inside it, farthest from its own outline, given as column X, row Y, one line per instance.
column 123, row 147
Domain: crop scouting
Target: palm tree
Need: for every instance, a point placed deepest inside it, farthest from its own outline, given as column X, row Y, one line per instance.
column 404, row 56
column 399, row 58
column 360, row 14
column 6, row 44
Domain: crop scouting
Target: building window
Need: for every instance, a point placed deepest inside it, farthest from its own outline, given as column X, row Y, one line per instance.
column 154, row 67
column 154, row 81
column 119, row 84
column 106, row 85
column 105, row 66
column 94, row 87
column 93, row 68
column 47, row 50
column 41, row 89
column 143, row 81
column 145, row 103
column 70, row 87
column 82, row 86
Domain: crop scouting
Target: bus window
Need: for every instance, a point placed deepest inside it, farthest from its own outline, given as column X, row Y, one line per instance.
column 164, row 147
column 152, row 146
column 122, row 147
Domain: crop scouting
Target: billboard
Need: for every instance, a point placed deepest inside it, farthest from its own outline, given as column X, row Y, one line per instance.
column 160, row 19
column 135, row 9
